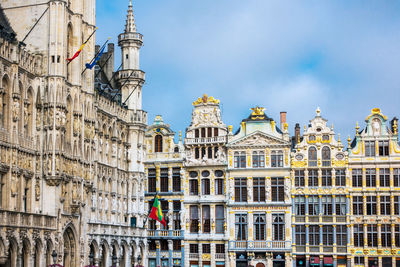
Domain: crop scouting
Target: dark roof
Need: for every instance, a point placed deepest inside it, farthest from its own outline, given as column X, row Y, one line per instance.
column 6, row 31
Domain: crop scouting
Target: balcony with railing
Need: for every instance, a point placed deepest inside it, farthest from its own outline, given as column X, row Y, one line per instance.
column 194, row 256
column 220, row 256
column 165, row 233
column 205, row 140
column 125, row 74
column 260, row 245
column 130, row 36
column 27, row 220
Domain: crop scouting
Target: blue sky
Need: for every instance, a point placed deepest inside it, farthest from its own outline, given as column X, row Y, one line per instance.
column 343, row 56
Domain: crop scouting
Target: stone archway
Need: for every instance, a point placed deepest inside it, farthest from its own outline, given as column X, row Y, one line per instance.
column 260, row 264
column 26, row 255
column 69, row 248
column 37, row 253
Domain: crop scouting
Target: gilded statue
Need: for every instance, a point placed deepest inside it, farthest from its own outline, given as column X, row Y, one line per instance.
column 257, row 111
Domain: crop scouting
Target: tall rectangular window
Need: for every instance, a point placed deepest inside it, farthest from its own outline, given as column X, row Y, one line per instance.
column 397, row 235
column 326, row 177
column 300, row 205
column 259, row 189
column 278, row 227
column 386, row 235
column 176, row 215
column 194, row 187
column 206, row 219
column 220, row 248
column 313, row 205
column 176, row 179
column 341, row 235
column 358, row 205
column 396, row 177
column 164, row 179
column 300, row 235
column 164, row 209
column 370, row 177
column 176, row 245
column 385, row 205
column 276, row 158
column 384, row 177
column 371, row 205
column 240, row 159
column 194, row 219
column 357, row 177
column 370, row 148
column 358, row 235
column 258, row 159
column 340, row 202
column 313, row 177
column 241, row 226
column 194, row 248
column 277, row 189
column 299, row 178
column 219, row 219
column 396, row 205
column 206, row 248
column 326, row 205
column 314, row 235
column 383, row 148
column 205, row 186
column 259, row 226
column 152, row 181
column 327, row 235
column 219, row 186
column 372, row 235
column 340, row 177
column 241, row 189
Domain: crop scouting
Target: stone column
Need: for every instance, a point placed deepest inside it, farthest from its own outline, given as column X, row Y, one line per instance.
column 250, row 189
column 158, row 263
column 170, row 249
column 169, row 179
column 250, row 225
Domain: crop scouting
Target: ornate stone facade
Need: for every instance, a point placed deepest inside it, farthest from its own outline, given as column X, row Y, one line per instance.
column 72, row 171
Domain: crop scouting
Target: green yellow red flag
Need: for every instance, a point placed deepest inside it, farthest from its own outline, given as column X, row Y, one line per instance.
column 156, row 212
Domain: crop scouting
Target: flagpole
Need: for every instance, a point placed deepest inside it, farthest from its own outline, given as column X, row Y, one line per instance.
column 87, row 40
column 145, row 221
column 91, row 61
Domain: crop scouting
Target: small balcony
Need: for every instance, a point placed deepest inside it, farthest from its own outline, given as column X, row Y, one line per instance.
column 194, row 256
column 29, row 220
column 165, row 233
column 205, row 140
column 260, row 245
column 220, row 256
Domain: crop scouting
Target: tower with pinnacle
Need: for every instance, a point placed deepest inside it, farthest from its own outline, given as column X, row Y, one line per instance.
column 130, row 77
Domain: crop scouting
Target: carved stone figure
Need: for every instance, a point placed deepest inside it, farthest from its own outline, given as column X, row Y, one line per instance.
column 94, row 200
column 74, row 192
column 106, row 204
column 37, row 191
column 114, row 150
column 15, row 110
column 114, row 204
column 100, row 202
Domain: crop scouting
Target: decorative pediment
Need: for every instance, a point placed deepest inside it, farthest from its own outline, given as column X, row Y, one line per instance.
column 258, row 139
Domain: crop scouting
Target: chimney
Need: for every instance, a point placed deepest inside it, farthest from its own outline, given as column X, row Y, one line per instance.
column 283, row 118
column 297, row 133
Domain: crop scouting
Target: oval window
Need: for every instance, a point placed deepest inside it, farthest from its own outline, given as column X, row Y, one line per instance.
column 219, row 173
column 193, row 174
column 205, row 173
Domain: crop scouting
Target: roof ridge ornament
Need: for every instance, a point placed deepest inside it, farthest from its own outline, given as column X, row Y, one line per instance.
column 376, row 111
column 318, row 112
column 206, row 100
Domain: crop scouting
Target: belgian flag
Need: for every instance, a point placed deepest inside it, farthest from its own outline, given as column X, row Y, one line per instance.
column 156, row 212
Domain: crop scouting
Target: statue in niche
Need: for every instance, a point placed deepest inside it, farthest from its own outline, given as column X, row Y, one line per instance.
column 15, row 110
column 14, row 182
column 106, row 204
column 74, row 193
column 26, row 114
column 114, row 150
column 376, row 127
column 100, row 201
column 107, row 147
column 94, row 200
column 114, row 204
column 37, row 191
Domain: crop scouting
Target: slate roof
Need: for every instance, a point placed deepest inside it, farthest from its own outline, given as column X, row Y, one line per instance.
column 6, row 31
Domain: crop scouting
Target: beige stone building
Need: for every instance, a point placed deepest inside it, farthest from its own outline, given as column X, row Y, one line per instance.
column 164, row 172
column 374, row 164
column 72, row 172
column 320, row 197
column 258, row 192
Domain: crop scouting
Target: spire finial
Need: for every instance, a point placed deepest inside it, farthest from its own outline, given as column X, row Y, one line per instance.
column 130, row 20
column 318, row 112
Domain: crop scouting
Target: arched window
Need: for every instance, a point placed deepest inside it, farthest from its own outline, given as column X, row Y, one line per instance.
column 278, row 227
column 158, row 143
column 203, row 152
column 209, row 152
column 28, row 109
column 312, row 157
column 326, row 156
column 69, row 49
column 4, row 103
column 68, row 130
column 197, row 153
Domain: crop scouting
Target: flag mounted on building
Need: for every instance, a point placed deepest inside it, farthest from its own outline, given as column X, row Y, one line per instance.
column 156, row 212
column 80, row 48
column 94, row 62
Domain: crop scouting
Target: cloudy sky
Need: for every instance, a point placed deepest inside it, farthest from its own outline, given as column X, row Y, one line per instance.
column 343, row 56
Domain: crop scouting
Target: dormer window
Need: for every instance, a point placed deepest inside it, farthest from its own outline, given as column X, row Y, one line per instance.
column 158, row 143
column 176, row 149
column 325, row 137
column 311, row 138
